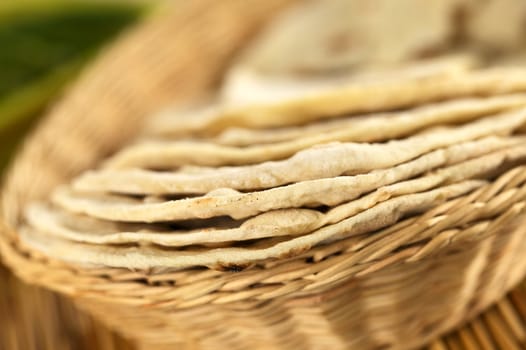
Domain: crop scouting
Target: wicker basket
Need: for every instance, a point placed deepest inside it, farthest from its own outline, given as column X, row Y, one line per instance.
column 36, row 319
column 395, row 290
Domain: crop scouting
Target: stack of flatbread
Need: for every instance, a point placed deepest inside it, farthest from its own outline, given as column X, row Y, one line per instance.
column 275, row 166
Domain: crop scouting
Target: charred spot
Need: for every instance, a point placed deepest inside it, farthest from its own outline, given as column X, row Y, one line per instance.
column 232, row 267
column 294, row 252
column 339, row 43
column 205, row 200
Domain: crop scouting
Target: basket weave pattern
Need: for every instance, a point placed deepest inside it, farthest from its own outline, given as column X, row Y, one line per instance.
column 397, row 288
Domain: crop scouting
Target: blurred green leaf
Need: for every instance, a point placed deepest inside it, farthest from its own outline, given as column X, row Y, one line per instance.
column 43, row 45
column 36, row 39
column 27, row 100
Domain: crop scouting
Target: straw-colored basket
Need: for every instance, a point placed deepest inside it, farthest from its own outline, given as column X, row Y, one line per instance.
column 396, row 290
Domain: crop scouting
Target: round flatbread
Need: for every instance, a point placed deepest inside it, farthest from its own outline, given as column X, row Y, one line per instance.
column 322, row 161
column 381, row 215
column 309, row 193
column 351, row 99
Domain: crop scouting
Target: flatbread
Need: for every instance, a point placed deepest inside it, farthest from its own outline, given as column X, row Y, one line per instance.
column 378, row 127
column 497, row 24
column 353, row 99
column 243, row 85
column 321, row 161
column 171, row 154
column 284, row 222
column 81, row 228
column 381, row 215
column 339, row 35
column 310, row 193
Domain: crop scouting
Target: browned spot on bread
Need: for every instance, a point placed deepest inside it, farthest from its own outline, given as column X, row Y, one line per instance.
column 294, row 252
column 339, row 43
column 228, row 267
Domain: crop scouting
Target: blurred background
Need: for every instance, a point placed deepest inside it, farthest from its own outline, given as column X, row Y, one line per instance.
column 44, row 44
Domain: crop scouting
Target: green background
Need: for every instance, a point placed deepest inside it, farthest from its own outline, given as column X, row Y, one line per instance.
column 43, row 46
